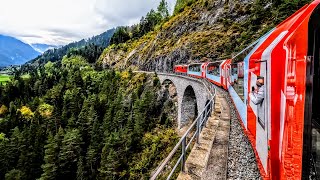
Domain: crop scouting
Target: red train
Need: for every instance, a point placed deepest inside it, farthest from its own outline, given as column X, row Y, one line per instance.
column 285, row 133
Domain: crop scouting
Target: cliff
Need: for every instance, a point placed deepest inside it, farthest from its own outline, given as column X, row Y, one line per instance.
column 203, row 30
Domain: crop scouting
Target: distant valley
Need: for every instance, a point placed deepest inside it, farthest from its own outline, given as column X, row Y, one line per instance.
column 15, row 52
column 43, row 47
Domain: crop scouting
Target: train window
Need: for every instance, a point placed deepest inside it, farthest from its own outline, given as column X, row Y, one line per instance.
column 234, row 69
column 214, row 68
column 237, row 78
column 195, row 67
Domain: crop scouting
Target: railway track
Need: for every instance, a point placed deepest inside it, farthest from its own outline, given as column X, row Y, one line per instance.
column 232, row 156
column 241, row 158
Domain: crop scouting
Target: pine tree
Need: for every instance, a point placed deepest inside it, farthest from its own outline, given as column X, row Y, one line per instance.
column 15, row 174
column 14, row 146
column 93, row 153
column 80, row 169
column 50, row 167
column 4, row 165
column 109, row 164
column 69, row 154
column 58, row 139
column 163, row 9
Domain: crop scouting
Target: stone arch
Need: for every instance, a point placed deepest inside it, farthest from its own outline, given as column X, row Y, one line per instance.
column 189, row 106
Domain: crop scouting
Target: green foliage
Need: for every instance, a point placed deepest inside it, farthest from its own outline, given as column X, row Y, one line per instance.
column 52, row 148
column 90, row 52
column 45, row 110
column 68, row 120
column 147, row 24
column 181, row 4
column 163, row 9
column 120, row 36
column 4, row 79
column 156, row 145
column 70, row 154
column 15, row 175
column 53, row 55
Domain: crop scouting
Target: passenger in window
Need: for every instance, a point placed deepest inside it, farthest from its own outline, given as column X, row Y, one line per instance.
column 257, row 97
column 257, row 94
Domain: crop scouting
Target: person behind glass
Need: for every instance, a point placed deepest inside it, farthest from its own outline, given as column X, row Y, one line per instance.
column 257, row 94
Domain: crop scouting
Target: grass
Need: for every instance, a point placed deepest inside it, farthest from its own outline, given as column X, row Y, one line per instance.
column 4, row 79
column 25, row 76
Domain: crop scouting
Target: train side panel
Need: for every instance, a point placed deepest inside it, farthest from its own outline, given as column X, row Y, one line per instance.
column 195, row 70
column 182, row 69
column 214, row 72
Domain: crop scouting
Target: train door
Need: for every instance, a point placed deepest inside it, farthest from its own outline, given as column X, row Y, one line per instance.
column 231, row 77
column 262, row 123
column 222, row 73
column 228, row 78
column 226, row 75
column 311, row 134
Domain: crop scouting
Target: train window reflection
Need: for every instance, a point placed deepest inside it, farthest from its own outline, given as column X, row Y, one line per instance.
column 195, row 67
column 237, row 70
column 237, row 78
column 214, row 68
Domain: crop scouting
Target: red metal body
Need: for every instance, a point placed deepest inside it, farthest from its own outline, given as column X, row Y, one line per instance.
column 282, row 60
column 225, row 75
column 180, row 69
column 281, row 57
column 288, row 59
column 283, row 54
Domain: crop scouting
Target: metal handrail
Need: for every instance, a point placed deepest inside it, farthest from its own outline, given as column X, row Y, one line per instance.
column 200, row 121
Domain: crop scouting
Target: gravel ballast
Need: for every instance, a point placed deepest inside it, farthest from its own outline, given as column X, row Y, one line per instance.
column 241, row 158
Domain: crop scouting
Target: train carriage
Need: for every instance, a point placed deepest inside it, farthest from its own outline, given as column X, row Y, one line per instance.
column 197, row 70
column 285, row 129
column 216, row 72
column 180, row 69
column 285, row 133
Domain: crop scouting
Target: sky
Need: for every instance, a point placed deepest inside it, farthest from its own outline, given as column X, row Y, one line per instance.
column 59, row 22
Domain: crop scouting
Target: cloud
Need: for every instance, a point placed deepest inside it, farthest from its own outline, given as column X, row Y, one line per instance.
column 63, row 21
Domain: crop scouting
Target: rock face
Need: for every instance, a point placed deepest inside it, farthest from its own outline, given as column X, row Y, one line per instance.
column 202, row 32
column 168, row 95
column 206, row 30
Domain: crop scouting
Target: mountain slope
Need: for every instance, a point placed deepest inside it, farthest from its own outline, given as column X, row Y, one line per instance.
column 14, row 51
column 57, row 54
column 42, row 47
column 202, row 30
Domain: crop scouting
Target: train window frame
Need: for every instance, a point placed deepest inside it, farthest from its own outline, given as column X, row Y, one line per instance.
column 263, row 123
column 231, row 68
column 195, row 65
column 216, row 71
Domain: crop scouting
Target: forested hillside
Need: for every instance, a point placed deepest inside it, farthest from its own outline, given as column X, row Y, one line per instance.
column 68, row 121
column 95, row 44
column 200, row 30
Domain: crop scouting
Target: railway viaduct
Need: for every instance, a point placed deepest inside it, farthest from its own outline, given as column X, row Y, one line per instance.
column 193, row 95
